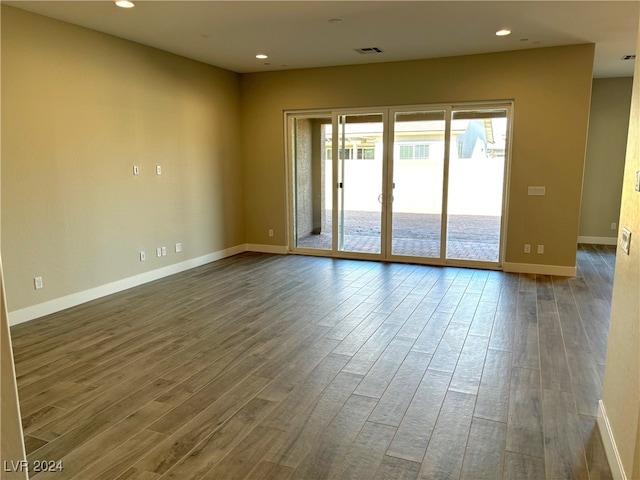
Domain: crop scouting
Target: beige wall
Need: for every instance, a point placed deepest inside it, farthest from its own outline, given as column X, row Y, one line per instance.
column 79, row 109
column 551, row 88
column 11, row 436
column 604, row 164
column 621, row 390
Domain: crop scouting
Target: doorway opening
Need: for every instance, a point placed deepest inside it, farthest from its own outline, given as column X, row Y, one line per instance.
column 425, row 184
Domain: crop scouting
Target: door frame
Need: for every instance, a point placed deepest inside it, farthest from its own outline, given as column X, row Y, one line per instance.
column 388, row 113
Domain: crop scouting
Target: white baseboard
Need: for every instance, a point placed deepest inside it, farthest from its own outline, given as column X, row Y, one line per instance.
column 534, row 268
column 52, row 306
column 276, row 249
column 610, row 448
column 599, row 240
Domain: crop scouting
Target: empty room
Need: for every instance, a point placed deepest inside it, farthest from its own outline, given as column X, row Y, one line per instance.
column 313, row 240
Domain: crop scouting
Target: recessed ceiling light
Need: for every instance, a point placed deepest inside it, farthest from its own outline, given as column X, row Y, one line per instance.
column 504, row 32
column 125, row 4
column 262, row 56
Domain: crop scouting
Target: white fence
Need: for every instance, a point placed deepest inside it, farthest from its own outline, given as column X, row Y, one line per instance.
column 475, row 186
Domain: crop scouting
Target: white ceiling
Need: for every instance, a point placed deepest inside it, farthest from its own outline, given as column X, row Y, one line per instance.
column 298, row 34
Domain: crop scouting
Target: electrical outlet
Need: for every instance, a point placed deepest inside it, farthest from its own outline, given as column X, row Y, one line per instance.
column 527, row 248
column 164, row 251
column 540, row 249
column 37, row 283
column 614, row 226
column 143, row 256
column 158, row 252
column 271, row 232
column 178, row 247
column 158, row 169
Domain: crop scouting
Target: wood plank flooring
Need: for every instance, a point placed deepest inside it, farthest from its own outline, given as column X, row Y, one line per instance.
column 293, row 367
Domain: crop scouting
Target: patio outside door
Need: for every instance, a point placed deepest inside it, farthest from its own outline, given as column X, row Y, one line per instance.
column 423, row 185
column 476, row 184
column 418, row 183
column 337, row 172
column 360, row 183
column 448, row 184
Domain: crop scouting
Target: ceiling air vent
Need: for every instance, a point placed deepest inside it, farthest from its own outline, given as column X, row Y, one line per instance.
column 628, row 57
column 368, row 50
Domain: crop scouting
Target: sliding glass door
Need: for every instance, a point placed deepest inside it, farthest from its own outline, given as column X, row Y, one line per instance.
column 360, row 183
column 423, row 184
column 417, row 183
column 476, row 184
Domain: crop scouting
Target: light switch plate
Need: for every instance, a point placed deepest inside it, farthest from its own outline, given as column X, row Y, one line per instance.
column 625, row 240
column 537, row 190
column 638, row 181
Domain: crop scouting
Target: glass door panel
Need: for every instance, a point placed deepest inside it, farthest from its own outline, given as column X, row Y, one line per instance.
column 311, row 147
column 360, row 174
column 476, row 184
column 418, row 173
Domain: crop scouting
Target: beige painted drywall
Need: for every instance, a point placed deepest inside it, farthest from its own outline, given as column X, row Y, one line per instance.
column 621, row 389
column 12, row 451
column 604, row 164
column 80, row 109
column 551, row 88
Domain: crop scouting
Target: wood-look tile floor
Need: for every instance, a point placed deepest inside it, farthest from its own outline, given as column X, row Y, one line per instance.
column 276, row 367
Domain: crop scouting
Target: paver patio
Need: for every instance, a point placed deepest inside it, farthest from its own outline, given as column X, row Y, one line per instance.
column 470, row 237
